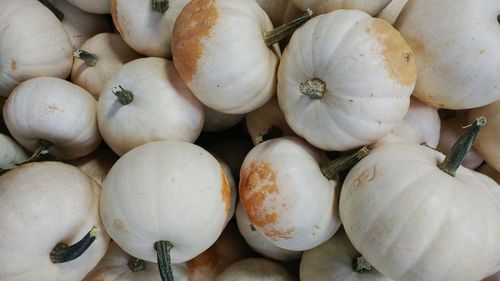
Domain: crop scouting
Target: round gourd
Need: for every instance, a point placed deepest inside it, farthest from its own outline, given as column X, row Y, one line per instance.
column 217, row 121
column 97, row 164
column 255, row 269
column 147, row 101
column 42, row 205
column 456, row 48
column 53, row 111
column 33, row 43
column 350, row 84
column 279, row 11
column 371, row 7
column 93, row 6
column 11, row 153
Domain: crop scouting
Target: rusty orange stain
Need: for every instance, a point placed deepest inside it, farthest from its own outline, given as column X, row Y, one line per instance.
column 366, row 176
column 209, row 261
column 226, row 191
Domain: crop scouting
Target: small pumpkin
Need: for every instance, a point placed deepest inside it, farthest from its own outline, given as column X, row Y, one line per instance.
column 217, row 121
column 255, row 269
column 93, row 6
column 11, row 153
column 97, row 164
column 371, row 7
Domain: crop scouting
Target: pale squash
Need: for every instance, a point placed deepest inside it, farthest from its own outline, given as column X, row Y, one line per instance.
column 255, row 269
column 371, row 7
column 93, row 6
column 11, row 153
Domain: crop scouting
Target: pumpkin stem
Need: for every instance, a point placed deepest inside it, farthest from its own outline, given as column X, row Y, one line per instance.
column 89, row 58
column 50, row 5
column 40, row 154
column 162, row 248
column 314, row 88
column 334, row 167
column 160, row 5
column 460, row 149
column 137, row 265
column 64, row 253
column 124, row 96
column 281, row 32
column 361, row 265
column 273, row 132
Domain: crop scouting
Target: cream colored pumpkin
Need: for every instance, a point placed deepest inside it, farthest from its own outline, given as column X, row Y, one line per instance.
column 111, row 52
column 43, row 204
column 11, row 153
column 146, row 30
column 162, row 108
column 255, row 269
column 33, row 43
column 392, row 11
column 349, row 85
column 115, row 266
column 97, row 164
column 56, row 111
column 217, row 121
column 219, row 50
column 488, row 141
column 489, row 171
column 456, row 48
column 279, row 11
column 93, row 6
column 371, row 7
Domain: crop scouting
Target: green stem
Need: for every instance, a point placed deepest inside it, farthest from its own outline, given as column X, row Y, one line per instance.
column 50, row 5
column 137, row 265
column 273, row 132
column 334, row 167
column 89, row 58
column 281, row 32
column 160, row 5
column 361, row 265
column 460, row 149
column 162, row 248
column 40, row 154
column 124, row 96
column 64, row 253
column 313, row 88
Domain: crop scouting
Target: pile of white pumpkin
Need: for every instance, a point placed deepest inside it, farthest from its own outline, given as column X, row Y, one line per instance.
column 101, row 113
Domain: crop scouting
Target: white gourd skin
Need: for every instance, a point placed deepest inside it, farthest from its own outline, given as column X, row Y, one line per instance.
column 368, row 71
column 318, row 7
column 114, row 266
column 217, row 121
column 11, row 153
column 97, row 164
column 392, row 11
column 33, row 43
column 81, row 25
column 43, row 204
column 163, row 107
column 279, row 11
column 112, row 52
column 255, row 269
column 53, row 110
column 271, row 190
column 332, row 260
column 147, row 31
column 260, row 244
column 456, row 48
column 414, row 222
column 488, row 141
column 489, row 171
column 93, row 6
column 150, row 194
column 208, row 41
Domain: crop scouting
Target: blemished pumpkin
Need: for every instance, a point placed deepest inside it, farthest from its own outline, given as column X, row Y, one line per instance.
column 97, row 164
column 54, row 114
column 93, row 6
column 232, row 185
column 33, row 43
column 255, row 269
column 417, row 215
column 146, row 101
column 47, row 207
column 456, row 48
column 11, row 153
column 339, row 93
column 279, row 11
column 217, row 121
column 165, row 201
column 318, row 7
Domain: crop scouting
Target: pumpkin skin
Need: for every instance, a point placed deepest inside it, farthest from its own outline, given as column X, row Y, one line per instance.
column 242, row 85
column 349, row 114
column 217, row 121
column 332, row 260
column 29, row 193
column 97, row 164
column 163, row 107
column 279, row 11
column 371, row 7
column 112, row 53
column 255, row 269
column 157, row 196
column 145, row 30
column 468, row 30
column 11, row 153
column 54, row 110
column 435, row 227
column 93, row 6
column 33, row 43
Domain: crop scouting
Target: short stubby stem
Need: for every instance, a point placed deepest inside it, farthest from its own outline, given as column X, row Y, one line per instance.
column 361, row 265
column 314, row 88
column 64, row 253
column 160, row 5
column 333, row 168
column 273, row 132
column 41, row 153
column 124, row 96
column 460, row 149
column 50, row 5
column 163, row 248
column 137, row 265
column 281, row 32
column 89, row 58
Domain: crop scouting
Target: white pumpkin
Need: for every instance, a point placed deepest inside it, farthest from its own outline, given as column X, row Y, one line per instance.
column 145, row 29
column 371, row 7
column 33, row 43
column 255, row 269
column 11, row 153
column 217, row 121
column 161, row 107
column 279, row 11
column 93, row 6
column 338, row 93
column 456, row 48
column 392, row 11
column 44, row 204
column 97, row 164
column 53, row 110
column 108, row 52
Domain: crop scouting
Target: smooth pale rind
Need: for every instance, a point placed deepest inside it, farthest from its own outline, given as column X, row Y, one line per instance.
column 163, row 107
column 43, row 204
column 456, row 48
column 318, row 7
column 33, row 43
column 166, row 190
column 255, row 269
column 53, row 110
column 369, row 74
column 93, row 6
column 414, row 222
column 11, row 153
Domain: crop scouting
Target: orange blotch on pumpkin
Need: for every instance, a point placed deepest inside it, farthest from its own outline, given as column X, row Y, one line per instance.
column 366, row 176
column 226, row 191
column 205, row 264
